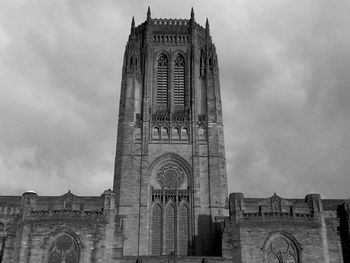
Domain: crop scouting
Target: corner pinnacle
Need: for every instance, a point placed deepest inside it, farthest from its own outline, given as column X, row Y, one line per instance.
column 132, row 23
column 149, row 13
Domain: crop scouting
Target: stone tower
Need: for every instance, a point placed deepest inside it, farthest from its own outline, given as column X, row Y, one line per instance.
column 170, row 170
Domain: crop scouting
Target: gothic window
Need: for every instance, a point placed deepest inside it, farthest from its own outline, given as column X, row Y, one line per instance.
column 171, row 200
column 165, row 133
column 169, row 229
column 183, row 230
column 65, row 249
column 155, row 133
column 156, row 229
column 175, row 134
column 184, row 134
column 179, row 81
column 2, row 228
column 280, row 249
column 162, row 80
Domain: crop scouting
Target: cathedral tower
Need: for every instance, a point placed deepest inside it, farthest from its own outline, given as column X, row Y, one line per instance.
column 170, row 171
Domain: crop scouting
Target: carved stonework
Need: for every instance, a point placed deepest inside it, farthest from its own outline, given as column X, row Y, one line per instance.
column 280, row 248
column 275, row 204
column 170, row 176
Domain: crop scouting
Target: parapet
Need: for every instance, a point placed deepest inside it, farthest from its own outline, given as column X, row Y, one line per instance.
column 275, row 208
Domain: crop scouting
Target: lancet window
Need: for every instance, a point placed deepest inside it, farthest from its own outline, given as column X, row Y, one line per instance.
column 170, row 222
column 179, row 81
column 162, row 80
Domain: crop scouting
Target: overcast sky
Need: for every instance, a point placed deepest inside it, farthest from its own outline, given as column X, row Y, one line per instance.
column 284, row 73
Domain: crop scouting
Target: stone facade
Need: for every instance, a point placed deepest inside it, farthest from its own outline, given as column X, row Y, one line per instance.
column 169, row 201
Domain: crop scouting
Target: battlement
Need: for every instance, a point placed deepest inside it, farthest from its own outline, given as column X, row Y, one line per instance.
column 170, row 22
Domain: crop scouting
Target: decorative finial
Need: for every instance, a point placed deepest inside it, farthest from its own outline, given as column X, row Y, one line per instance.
column 132, row 23
column 207, row 25
column 149, row 13
column 192, row 14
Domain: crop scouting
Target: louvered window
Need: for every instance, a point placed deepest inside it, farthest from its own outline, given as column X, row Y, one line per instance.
column 162, row 80
column 179, row 81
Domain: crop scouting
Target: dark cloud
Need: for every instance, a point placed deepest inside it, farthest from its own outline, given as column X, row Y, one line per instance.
column 284, row 80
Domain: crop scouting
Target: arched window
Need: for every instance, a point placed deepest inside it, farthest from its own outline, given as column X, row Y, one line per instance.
column 279, row 248
column 183, row 230
column 162, row 81
column 169, row 229
column 165, row 133
column 170, row 217
column 64, row 249
column 156, row 134
column 156, row 229
column 179, row 81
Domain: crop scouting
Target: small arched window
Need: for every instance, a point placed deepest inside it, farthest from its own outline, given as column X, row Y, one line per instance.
column 162, row 80
column 64, row 249
column 279, row 248
column 156, row 134
column 179, row 81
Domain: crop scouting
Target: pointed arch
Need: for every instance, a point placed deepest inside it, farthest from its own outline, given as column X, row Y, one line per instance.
column 162, row 80
column 179, row 80
column 64, row 248
column 183, row 229
column 281, row 247
column 156, row 229
column 169, row 228
column 172, row 157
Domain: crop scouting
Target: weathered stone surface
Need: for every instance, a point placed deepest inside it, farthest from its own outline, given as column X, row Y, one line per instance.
column 169, row 199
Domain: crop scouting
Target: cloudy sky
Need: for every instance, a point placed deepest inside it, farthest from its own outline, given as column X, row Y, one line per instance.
column 284, row 72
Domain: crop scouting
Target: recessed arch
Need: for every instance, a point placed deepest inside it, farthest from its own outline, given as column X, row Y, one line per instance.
column 162, row 80
column 63, row 247
column 179, row 80
column 172, row 157
column 281, row 246
column 156, row 236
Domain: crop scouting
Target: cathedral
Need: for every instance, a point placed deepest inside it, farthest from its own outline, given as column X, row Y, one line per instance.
column 169, row 201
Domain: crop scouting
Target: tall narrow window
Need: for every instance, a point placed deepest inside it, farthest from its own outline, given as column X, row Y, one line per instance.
column 179, row 81
column 169, row 229
column 156, row 230
column 162, row 81
column 183, row 230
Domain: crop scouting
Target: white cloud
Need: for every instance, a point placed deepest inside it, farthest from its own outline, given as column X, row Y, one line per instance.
column 284, row 80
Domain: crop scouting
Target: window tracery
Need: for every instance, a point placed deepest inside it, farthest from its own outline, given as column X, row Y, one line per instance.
column 162, row 80
column 179, row 81
column 280, row 249
column 65, row 249
column 171, row 207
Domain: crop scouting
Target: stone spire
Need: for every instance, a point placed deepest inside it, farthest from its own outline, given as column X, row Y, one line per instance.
column 192, row 14
column 207, row 27
column 148, row 13
column 132, row 25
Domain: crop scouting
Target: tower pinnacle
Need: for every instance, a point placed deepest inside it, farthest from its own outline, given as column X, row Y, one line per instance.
column 132, row 24
column 192, row 14
column 207, row 26
column 148, row 13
